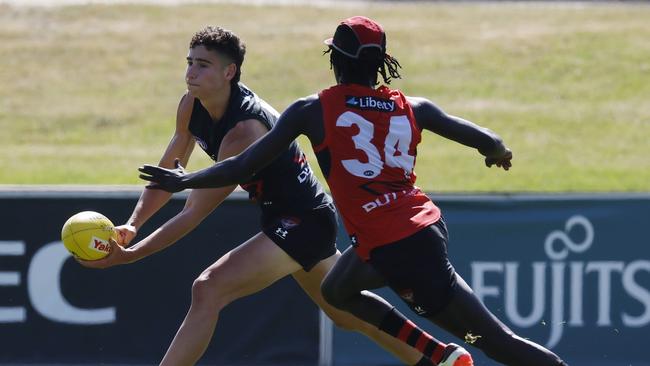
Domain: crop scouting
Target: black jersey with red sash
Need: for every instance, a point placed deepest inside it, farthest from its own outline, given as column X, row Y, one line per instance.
column 370, row 142
column 287, row 185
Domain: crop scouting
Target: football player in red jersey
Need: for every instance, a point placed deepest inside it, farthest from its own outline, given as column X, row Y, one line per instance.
column 365, row 139
column 298, row 222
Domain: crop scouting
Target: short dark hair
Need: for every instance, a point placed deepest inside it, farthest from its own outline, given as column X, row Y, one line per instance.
column 223, row 41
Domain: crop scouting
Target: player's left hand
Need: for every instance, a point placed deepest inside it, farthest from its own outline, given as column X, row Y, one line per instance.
column 504, row 161
column 117, row 255
column 170, row 180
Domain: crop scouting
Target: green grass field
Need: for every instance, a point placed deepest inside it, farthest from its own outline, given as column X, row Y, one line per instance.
column 89, row 93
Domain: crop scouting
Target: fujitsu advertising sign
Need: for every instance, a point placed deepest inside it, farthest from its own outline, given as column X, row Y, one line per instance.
column 566, row 283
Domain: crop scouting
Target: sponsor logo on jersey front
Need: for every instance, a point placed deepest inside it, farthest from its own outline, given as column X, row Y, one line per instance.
column 370, row 103
column 387, row 199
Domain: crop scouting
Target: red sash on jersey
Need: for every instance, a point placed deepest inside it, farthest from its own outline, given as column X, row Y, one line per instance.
column 372, row 139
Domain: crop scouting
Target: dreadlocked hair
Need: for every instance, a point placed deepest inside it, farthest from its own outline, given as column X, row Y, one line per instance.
column 366, row 67
column 225, row 43
column 391, row 64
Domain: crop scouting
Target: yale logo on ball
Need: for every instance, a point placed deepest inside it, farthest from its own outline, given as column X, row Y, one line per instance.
column 86, row 235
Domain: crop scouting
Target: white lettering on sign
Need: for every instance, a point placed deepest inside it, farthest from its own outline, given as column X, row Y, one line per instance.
column 44, row 288
column 554, row 276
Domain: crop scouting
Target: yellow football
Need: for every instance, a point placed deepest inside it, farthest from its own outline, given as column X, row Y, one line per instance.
column 86, row 235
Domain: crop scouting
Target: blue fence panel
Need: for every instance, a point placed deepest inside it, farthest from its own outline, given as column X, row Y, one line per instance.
column 570, row 272
column 54, row 311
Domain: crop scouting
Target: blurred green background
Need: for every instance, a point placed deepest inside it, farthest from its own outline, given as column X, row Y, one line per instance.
column 89, row 93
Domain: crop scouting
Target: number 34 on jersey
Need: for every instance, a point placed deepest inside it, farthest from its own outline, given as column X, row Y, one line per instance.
column 395, row 146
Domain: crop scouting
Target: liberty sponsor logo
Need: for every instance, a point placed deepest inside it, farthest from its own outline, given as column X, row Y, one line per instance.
column 563, row 290
column 369, row 102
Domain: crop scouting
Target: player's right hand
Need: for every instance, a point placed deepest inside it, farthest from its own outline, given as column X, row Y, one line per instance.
column 117, row 256
column 170, row 180
column 125, row 234
column 504, row 161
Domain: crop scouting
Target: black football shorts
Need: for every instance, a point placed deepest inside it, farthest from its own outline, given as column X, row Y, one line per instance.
column 418, row 270
column 308, row 237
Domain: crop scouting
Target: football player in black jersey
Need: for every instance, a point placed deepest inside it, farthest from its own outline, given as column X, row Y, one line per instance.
column 298, row 219
column 415, row 267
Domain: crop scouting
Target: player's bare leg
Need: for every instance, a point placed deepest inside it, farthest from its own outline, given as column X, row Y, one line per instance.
column 247, row 269
column 311, row 283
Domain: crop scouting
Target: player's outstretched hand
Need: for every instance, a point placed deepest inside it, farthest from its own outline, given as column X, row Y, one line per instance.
column 125, row 234
column 504, row 161
column 118, row 255
column 170, row 180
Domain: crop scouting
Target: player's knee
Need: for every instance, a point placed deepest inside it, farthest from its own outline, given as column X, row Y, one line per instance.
column 348, row 322
column 208, row 293
column 332, row 295
column 499, row 346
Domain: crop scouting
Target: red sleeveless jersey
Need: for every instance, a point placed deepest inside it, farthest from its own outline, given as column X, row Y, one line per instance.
column 371, row 138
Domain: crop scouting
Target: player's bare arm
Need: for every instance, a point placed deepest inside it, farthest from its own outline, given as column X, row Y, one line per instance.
column 292, row 123
column 488, row 143
column 180, row 147
column 200, row 203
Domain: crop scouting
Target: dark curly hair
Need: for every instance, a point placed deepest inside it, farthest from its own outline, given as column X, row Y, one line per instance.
column 371, row 63
column 223, row 41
